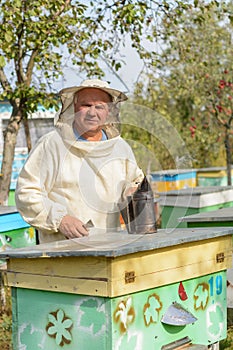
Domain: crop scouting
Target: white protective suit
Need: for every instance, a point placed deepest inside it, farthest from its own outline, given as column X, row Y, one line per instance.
column 84, row 179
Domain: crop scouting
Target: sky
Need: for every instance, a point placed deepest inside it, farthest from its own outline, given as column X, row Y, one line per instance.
column 128, row 73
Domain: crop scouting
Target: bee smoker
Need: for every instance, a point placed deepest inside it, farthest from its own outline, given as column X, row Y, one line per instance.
column 138, row 211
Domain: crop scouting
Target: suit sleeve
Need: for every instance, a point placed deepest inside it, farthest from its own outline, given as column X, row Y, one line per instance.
column 32, row 192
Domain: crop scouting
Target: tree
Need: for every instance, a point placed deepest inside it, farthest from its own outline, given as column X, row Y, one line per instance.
column 221, row 107
column 196, row 46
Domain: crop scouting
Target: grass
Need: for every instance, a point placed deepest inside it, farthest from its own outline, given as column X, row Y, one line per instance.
column 5, row 320
column 227, row 344
column 5, row 333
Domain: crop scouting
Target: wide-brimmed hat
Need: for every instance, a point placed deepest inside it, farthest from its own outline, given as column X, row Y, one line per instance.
column 67, row 94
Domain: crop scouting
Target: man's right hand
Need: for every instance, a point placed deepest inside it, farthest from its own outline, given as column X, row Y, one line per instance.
column 72, row 227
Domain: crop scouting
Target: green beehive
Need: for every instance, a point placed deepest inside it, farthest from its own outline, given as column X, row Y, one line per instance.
column 216, row 218
column 118, row 291
column 214, row 176
column 14, row 231
column 176, row 204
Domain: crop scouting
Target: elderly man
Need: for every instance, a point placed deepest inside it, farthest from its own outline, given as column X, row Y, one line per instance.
column 81, row 170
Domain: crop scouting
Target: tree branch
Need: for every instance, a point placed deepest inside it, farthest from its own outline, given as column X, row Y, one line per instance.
column 19, row 60
column 31, row 61
column 4, row 81
column 58, row 13
column 30, row 66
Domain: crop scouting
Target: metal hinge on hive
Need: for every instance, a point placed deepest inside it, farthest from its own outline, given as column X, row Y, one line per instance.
column 129, row 277
column 220, row 257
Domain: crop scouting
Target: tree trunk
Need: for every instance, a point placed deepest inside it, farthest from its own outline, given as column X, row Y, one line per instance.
column 228, row 156
column 27, row 134
column 10, row 138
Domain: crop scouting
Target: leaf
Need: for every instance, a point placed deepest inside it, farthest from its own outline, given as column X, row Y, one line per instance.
column 2, row 62
column 8, row 36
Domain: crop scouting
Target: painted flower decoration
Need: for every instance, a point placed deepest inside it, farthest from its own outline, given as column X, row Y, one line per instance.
column 201, row 296
column 151, row 309
column 59, row 327
column 124, row 314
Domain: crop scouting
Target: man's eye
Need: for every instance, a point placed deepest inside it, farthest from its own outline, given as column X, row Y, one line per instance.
column 97, row 107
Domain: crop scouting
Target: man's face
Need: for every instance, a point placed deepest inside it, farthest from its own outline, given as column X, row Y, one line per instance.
column 91, row 110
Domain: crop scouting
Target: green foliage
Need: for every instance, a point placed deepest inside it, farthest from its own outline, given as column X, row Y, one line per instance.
column 194, row 46
column 31, row 34
column 36, row 38
column 220, row 98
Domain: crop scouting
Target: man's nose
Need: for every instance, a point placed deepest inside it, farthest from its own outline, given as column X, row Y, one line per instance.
column 92, row 110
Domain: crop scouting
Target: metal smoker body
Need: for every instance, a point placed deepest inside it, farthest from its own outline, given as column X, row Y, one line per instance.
column 138, row 211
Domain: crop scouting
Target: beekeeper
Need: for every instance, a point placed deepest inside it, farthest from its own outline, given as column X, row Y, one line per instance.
column 78, row 172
